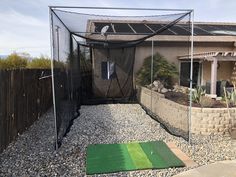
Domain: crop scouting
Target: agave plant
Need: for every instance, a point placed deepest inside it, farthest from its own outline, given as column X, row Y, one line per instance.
column 197, row 94
column 231, row 96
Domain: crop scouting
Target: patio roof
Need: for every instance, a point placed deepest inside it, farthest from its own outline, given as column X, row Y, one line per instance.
column 209, row 56
column 213, row 57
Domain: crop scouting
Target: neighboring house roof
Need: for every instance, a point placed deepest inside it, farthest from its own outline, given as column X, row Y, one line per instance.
column 204, row 29
column 131, row 30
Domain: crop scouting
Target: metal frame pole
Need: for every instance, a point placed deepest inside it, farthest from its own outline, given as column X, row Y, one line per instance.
column 152, row 72
column 191, row 77
column 57, row 30
column 117, row 8
column 52, row 72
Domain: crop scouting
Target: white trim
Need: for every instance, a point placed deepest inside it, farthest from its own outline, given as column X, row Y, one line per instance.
column 113, row 27
column 209, row 55
column 131, row 28
column 168, row 29
column 149, row 28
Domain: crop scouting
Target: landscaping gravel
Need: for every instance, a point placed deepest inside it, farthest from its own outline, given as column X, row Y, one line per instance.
column 33, row 153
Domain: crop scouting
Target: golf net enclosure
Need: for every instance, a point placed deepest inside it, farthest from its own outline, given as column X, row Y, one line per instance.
column 95, row 53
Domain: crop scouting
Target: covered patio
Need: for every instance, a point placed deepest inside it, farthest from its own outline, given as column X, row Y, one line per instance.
column 212, row 67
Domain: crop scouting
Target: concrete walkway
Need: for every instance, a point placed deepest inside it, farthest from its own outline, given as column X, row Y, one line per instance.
column 218, row 169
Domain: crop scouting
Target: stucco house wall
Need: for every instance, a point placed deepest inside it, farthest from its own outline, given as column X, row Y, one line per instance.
column 173, row 46
column 224, row 71
column 170, row 50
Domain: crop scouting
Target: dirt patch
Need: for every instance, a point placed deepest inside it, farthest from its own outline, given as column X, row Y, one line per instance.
column 183, row 99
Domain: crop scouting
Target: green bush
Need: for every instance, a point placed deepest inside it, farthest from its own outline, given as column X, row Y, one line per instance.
column 2, row 64
column 13, row 61
column 162, row 70
column 40, row 63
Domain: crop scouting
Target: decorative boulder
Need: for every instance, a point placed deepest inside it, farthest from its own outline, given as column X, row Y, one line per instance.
column 158, row 85
column 164, row 90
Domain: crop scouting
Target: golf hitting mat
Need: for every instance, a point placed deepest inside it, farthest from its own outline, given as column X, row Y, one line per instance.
column 109, row 158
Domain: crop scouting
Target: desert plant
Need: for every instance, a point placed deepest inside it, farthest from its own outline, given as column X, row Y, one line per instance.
column 206, row 102
column 231, row 96
column 197, row 94
column 162, row 70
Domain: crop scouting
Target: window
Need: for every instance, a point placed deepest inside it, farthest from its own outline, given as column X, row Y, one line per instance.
column 185, row 73
column 108, row 70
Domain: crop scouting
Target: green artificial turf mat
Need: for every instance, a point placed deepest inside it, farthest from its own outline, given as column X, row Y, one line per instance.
column 108, row 158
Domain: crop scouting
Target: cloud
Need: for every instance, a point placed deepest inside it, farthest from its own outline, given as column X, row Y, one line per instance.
column 15, row 19
column 25, row 26
column 23, row 32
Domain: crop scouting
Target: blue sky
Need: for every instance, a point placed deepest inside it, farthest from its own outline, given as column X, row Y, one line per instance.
column 25, row 27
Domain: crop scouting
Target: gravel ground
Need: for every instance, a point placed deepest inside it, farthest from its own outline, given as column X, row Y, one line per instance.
column 33, row 155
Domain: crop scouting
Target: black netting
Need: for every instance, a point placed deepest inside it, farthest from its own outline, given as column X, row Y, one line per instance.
column 96, row 57
column 93, row 29
column 66, row 69
column 121, row 84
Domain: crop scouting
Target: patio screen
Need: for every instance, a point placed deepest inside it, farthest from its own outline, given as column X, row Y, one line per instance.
column 94, row 54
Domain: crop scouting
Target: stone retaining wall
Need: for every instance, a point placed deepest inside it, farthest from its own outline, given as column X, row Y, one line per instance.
column 208, row 121
column 174, row 116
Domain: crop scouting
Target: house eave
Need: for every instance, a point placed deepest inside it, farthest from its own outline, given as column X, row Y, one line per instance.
column 168, row 38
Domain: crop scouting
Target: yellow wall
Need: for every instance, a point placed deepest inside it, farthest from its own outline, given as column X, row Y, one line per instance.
column 224, row 71
column 171, row 51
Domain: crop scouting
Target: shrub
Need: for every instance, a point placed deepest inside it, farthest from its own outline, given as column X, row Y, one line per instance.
column 40, row 63
column 162, row 70
column 2, row 64
column 206, row 102
column 59, row 64
column 13, row 61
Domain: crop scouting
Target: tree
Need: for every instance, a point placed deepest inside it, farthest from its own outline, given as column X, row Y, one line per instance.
column 13, row 61
column 162, row 70
column 40, row 63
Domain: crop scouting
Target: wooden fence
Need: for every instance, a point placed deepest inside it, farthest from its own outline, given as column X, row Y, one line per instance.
column 24, row 96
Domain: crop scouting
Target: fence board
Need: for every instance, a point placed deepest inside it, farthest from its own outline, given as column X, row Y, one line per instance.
column 23, row 99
